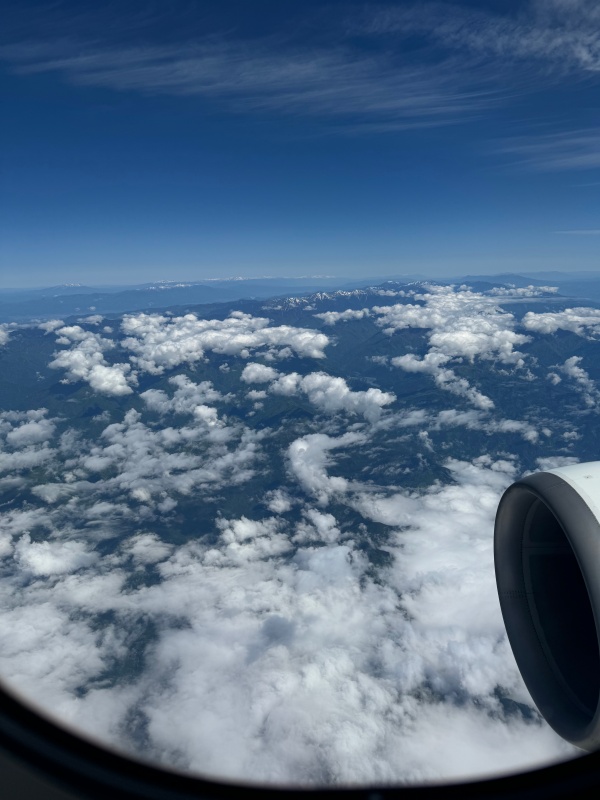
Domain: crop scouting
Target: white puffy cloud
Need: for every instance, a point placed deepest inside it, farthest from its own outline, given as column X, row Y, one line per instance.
column 552, row 462
column 25, row 459
column 463, row 325
column 589, row 391
column 308, row 458
column 152, row 463
column 317, row 526
column 155, row 343
column 522, row 291
column 93, row 319
column 249, row 540
column 328, row 393
column 188, row 398
column 32, row 431
column 278, row 501
column 287, row 384
column 51, row 325
column 158, row 343
column 258, row 373
column 433, row 364
column 147, row 548
column 111, row 380
column 25, row 438
column 84, row 361
column 53, row 557
column 582, row 321
column 478, row 420
column 333, row 394
column 331, row 317
column 526, row 429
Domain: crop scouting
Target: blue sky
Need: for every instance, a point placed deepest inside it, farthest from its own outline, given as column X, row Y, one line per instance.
column 146, row 141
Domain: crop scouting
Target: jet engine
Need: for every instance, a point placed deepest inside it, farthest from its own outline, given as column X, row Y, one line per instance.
column 547, row 558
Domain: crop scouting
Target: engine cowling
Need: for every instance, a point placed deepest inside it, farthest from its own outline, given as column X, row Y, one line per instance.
column 547, row 559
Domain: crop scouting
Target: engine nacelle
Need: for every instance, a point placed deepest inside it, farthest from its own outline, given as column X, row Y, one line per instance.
column 547, row 557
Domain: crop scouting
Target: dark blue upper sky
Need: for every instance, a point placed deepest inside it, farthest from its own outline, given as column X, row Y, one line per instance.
column 190, row 139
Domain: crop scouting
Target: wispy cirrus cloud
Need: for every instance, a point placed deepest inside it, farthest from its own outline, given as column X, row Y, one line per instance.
column 558, row 34
column 566, row 150
column 582, row 232
column 536, row 48
column 453, row 69
column 257, row 76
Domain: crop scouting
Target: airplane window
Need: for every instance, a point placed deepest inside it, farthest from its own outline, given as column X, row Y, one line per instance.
column 291, row 295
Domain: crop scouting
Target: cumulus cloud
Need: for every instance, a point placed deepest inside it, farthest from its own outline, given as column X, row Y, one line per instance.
column 317, row 526
column 332, row 394
column 53, row 558
column 328, row 393
column 552, row 462
column 433, row 364
column 147, row 548
column 278, row 501
column 476, row 420
column 259, row 373
column 51, row 325
column 526, row 429
column 249, row 540
column 84, row 361
column 462, row 324
column 331, row 317
column 308, row 458
column 582, row 321
column 153, row 463
column 158, row 343
column 93, row 319
column 522, row 291
column 588, row 388
column 188, row 398
column 25, row 440
column 30, row 431
column 288, row 666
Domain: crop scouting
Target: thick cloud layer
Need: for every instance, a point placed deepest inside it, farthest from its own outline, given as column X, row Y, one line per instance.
column 258, row 571
column 279, row 657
